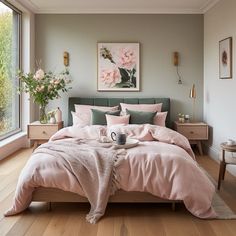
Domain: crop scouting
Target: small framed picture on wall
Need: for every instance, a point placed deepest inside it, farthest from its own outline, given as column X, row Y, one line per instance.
column 118, row 67
column 225, row 58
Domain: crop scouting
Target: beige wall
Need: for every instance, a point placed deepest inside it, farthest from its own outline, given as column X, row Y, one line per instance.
column 219, row 94
column 159, row 36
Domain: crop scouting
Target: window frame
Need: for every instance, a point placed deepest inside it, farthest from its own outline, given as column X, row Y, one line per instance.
column 13, row 8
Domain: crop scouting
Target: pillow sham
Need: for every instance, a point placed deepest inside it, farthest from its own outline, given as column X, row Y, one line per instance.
column 115, row 120
column 141, row 117
column 140, row 107
column 99, row 118
column 160, row 118
column 84, row 112
column 76, row 120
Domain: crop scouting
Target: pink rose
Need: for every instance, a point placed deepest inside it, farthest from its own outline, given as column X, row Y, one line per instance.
column 127, row 58
column 39, row 74
column 110, row 77
column 40, row 88
column 57, row 81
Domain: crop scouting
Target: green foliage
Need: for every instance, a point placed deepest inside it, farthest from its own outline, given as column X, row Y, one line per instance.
column 6, row 22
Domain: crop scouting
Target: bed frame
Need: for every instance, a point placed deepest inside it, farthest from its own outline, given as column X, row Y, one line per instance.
column 56, row 195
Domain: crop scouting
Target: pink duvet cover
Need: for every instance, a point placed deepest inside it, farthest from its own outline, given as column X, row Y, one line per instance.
column 163, row 164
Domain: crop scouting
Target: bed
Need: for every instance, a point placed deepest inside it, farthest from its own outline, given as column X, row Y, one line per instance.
column 56, row 195
column 49, row 194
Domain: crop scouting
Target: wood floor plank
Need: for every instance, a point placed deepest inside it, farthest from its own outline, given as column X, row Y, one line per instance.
column 88, row 229
column 73, row 224
column 203, row 227
column 5, row 204
column 39, row 225
column 153, row 222
column 56, row 226
column 22, row 225
column 220, row 228
column 179, row 226
column 7, row 223
column 106, row 226
column 119, row 220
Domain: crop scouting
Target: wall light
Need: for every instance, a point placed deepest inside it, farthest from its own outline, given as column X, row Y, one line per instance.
column 176, row 64
column 66, row 58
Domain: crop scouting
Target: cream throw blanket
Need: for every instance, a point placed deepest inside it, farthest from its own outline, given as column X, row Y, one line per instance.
column 92, row 164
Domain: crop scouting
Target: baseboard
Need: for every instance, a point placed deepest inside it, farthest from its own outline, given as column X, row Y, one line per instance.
column 213, row 153
column 12, row 144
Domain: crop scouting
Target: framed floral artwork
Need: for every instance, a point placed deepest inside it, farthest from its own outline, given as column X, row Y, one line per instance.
column 118, row 67
column 225, row 58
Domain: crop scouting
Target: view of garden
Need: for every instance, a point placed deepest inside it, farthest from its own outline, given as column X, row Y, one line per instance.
column 6, row 65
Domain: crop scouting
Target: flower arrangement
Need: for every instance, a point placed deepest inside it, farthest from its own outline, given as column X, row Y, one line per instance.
column 44, row 87
column 181, row 117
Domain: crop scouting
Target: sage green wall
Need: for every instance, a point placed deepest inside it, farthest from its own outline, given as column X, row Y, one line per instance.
column 159, row 37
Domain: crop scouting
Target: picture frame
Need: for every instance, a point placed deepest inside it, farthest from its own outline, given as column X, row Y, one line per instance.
column 225, row 58
column 118, row 66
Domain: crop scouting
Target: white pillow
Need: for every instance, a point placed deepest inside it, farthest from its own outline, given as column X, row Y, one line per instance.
column 77, row 121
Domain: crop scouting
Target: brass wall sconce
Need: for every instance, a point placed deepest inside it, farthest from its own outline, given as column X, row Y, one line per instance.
column 176, row 64
column 66, row 58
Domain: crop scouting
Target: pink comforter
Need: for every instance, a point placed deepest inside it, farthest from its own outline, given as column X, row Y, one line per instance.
column 163, row 164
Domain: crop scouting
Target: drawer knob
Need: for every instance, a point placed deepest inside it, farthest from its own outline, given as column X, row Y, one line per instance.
column 44, row 132
column 191, row 132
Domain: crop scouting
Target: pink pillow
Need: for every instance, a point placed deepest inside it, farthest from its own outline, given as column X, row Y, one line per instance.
column 160, row 119
column 83, row 112
column 76, row 120
column 140, row 107
column 115, row 120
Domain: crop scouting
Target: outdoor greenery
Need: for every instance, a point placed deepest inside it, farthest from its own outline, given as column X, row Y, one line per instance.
column 6, row 88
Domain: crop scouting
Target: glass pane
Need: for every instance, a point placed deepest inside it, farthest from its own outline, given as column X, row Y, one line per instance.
column 9, row 65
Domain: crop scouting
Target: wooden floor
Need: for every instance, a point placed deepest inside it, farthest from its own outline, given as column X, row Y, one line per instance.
column 120, row 219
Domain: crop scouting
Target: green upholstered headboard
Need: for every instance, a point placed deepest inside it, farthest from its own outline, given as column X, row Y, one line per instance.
column 116, row 101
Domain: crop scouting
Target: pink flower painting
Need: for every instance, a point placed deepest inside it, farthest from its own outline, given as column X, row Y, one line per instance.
column 127, row 58
column 110, row 76
column 118, row 66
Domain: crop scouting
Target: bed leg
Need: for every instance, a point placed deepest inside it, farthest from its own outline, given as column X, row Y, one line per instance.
column 49, row 206
column 173, row 206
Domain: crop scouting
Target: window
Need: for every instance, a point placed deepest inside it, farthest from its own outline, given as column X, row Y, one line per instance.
column 10, row 19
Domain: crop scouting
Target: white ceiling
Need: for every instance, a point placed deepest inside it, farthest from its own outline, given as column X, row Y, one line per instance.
column 119, row 6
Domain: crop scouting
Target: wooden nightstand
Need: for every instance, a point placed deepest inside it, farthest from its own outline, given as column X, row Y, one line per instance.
column 41, row 133
column 194, row 132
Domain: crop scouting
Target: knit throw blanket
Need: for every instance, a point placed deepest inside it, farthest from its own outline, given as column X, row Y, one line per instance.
column 93, row 166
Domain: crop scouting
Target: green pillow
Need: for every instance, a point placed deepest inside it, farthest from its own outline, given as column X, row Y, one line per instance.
column 99, row 118
column 141, row 117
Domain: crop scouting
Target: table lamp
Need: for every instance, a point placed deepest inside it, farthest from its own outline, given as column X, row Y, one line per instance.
column 192, row 95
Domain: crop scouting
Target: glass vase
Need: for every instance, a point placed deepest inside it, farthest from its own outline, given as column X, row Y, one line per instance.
column 42, row 114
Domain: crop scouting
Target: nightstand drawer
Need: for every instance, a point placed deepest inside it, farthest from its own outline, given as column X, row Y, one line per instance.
column 42, row 131
column 194, row 132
